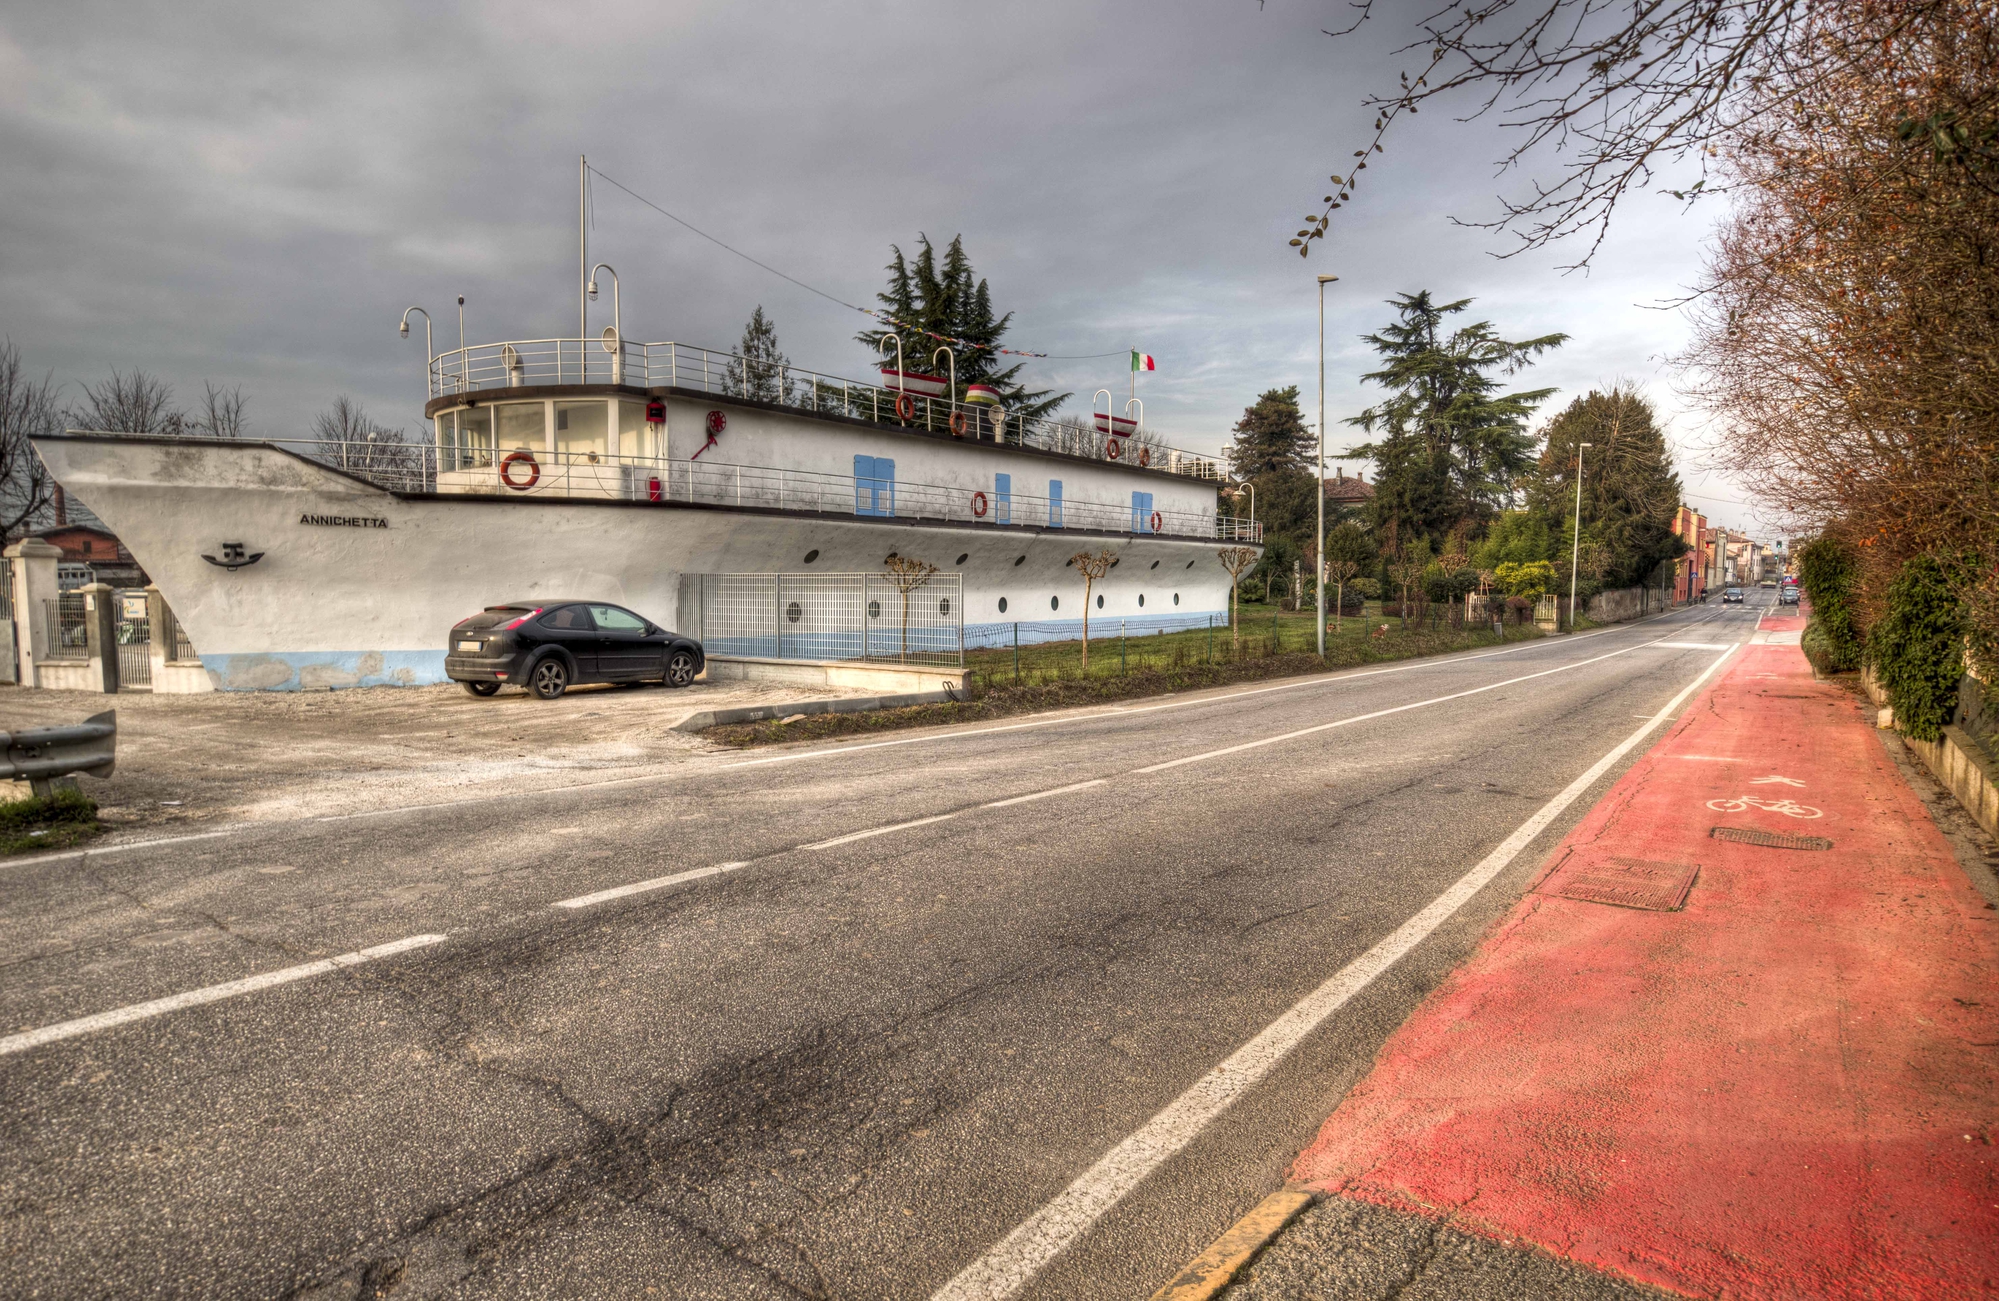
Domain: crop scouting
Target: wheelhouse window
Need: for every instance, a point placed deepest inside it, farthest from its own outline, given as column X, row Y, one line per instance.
column 465, row 438
column 582, row 430
column 522, row 425
column 637, row 440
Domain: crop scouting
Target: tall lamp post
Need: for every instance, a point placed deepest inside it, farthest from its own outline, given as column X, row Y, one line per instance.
column 1576, row 539
column 1319, row 579
column 429, row 354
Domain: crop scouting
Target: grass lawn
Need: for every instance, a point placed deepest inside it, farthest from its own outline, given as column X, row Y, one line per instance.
column 1274, row 644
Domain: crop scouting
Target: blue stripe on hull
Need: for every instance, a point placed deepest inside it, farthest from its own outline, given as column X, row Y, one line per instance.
column 324, row 670
column 986, row 636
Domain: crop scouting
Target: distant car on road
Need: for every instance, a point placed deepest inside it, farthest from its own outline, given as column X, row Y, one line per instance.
column 550, row 646
column 1731, row 596
column 1789, row 596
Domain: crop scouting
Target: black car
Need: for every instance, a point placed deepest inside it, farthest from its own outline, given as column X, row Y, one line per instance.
column 550, row 646
column 1731, row 596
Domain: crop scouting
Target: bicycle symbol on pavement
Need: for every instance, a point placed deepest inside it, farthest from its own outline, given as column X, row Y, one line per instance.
column 1789, row 808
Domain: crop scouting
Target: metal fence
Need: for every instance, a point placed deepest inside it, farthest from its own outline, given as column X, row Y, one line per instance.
column 833, row 617
column 174, row 637
column 69, row 629
column 591, row 361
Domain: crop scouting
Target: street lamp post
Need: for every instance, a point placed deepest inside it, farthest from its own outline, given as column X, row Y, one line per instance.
column 1576, row 539
column 617, row 321
column 1319, row 579
column 429, row 354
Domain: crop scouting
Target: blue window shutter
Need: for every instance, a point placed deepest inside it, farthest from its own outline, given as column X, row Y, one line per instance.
column 864, row 473
column 885, row 481
column 1054, row 503
column 1003, row 499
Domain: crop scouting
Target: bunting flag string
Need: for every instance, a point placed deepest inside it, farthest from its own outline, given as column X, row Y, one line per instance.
column 865, row 311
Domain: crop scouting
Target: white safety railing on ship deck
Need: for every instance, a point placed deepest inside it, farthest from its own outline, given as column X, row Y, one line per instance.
column 419, row 467
column 484, row 367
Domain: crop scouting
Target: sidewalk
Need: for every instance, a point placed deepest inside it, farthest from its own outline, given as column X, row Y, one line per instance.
column 1785, row 1086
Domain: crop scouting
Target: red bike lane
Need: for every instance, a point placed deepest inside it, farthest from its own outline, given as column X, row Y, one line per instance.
column 1781, row 1082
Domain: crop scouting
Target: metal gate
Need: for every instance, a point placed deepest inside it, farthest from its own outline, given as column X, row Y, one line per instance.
column 135, row 642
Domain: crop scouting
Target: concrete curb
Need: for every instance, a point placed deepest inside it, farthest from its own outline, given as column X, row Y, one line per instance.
column 1955, row 759
column 708, row 718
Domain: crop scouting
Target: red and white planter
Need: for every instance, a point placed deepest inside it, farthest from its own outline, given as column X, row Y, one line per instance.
column 915, row 383
column 1116, row 426
column 984, row 395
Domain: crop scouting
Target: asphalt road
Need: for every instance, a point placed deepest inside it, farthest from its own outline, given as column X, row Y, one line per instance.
column 845, row 1068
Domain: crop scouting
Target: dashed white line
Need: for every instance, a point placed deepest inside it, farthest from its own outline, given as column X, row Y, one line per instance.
column 212, row 994
column 1042, row 795
column 642, row 887
column 1014, row 1261
column 878, row 831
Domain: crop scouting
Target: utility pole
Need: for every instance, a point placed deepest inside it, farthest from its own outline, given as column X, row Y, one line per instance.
column 582, row 246
column 1319, row 579
column 1576, row 539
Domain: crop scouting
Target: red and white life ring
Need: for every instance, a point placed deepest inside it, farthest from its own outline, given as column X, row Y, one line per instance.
column 905, row 407
column 1144, row 457
column 979, row 504
column 1156, row 521
column 1112, row 448
column 957, row 424
column 516, row 458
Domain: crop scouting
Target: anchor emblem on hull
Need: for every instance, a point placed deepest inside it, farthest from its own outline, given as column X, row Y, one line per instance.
column 234, row 557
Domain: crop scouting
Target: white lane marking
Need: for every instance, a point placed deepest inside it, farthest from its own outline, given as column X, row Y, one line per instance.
column 641, row 887
column 1014, row 1261
column 878, row 831
column 1042, row 795
column 212, row 994
column 151, row 843
column 1379, row 713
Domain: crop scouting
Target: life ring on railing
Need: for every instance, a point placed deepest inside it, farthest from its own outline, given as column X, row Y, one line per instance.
column 905, row 407
column 979, row 504
column 1144, row 457
column 957, row 424
column 1111, row 448
column 515, row 458
column 1156, row 521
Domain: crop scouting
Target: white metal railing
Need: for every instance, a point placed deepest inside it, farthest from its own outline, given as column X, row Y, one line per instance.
column 521, row 472
column 484, row 367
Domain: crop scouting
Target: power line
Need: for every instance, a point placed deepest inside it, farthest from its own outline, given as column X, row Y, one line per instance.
column 831, row 298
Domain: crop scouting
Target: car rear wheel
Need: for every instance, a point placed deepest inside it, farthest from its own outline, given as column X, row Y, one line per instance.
column 549, row 679
column 481, row 688
column 680, row 669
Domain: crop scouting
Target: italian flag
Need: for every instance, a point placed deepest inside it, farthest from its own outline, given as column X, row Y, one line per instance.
column 1141, row 360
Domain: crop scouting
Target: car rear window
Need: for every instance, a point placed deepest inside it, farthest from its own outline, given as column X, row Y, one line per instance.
column 495, row 615
column 570, row 618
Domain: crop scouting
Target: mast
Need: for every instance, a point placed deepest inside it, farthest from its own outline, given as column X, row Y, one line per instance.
column 582, row 246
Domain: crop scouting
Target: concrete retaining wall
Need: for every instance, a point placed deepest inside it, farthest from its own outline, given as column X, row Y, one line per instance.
column 835, row 673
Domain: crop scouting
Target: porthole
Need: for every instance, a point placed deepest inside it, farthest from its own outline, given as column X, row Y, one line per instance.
column 1002, row 605
column 962, row 559
column 1176, row 598
column 1190, row 564
column 944, row 606
column 874, row 609
column 1141, row 598
column 1100, row 603
column 1155, row 564
column 811, row 555
column 1117, row 562
column 793, row 612
column 1054, row 602
column 1018, row 563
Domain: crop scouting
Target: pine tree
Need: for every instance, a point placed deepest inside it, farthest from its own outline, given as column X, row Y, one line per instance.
column 764, row 374
column 1629, row 489
column 1452, row 447
column 1273, row 450
column 952, row 301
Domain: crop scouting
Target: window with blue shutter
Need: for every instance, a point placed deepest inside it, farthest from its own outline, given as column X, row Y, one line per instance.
column 1054, row 503
column 1141, row 512
column 874, row 485
column 1003, row 499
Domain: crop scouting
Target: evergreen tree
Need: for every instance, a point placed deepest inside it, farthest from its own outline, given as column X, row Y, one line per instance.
column 1273, row 448
column 1450, row 447
column 1629, row 489
column 764, row 375
column 954, row 302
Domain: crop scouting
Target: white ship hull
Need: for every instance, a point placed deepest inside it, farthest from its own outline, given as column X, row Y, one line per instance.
column 358, row 586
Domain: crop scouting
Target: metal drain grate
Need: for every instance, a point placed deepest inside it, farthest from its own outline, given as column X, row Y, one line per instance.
column 1626, row 883
column 1769, row 839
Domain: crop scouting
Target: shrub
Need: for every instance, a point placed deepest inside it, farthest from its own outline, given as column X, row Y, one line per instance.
column 1531, row 578
column 1828, row 573
column 1917, row 647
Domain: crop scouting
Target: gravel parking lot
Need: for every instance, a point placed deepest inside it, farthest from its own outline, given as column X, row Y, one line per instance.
column 248, row 756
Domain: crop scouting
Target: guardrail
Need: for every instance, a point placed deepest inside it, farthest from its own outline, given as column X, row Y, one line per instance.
column 483, row 367
column 39, row 755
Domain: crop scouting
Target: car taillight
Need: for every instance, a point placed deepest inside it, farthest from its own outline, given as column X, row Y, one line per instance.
column 518, row 622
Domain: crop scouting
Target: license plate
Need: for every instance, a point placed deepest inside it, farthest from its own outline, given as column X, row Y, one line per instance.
column 470, row 645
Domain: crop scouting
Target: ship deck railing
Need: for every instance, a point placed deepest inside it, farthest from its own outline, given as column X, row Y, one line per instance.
column 523, row 472
column 491, row 368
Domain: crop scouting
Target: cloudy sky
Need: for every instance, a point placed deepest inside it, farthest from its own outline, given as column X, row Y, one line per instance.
column 253, row 193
